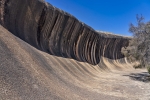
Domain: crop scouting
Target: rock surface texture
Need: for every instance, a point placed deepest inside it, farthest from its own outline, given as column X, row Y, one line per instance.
column 57, row 32
column 30, row 74
column 78, row 63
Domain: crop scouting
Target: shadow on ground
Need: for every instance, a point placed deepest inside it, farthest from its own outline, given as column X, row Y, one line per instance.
column 143, row 77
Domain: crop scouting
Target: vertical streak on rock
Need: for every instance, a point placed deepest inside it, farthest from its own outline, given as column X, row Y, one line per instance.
column 77, row 44
column 40, row 25
column 2, row 3
column 65, row 36
column 54, row 32
column 73, row 37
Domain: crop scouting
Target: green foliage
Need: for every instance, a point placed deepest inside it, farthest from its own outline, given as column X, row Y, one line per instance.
column 148, row 68
column 139, row 45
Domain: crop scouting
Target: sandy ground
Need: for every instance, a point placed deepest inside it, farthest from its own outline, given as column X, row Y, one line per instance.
column 29, row 74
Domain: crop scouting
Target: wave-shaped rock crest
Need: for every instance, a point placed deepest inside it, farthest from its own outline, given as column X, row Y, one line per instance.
column 57, row 32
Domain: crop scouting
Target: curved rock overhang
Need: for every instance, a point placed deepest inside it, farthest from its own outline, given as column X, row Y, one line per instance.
column 57, row 32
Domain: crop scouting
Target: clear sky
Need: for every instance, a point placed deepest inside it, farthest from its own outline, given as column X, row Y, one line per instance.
column 106, row 15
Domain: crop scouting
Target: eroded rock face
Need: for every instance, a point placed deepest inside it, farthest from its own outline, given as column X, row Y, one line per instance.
column 57, row 32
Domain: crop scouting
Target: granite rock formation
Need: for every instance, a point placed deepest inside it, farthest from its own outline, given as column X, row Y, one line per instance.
column 30, row 74
column 27, row 73
column 57, row 32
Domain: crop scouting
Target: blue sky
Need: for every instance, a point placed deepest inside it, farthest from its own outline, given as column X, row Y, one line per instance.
column 106, row 15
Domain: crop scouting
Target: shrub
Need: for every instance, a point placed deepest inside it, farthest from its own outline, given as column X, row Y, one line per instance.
column 148, row 68
column 139, row 45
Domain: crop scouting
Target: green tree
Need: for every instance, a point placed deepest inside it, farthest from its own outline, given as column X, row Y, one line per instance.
column 139, row 45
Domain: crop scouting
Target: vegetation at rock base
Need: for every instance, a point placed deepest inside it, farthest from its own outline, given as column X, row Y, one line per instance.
column 139, row 46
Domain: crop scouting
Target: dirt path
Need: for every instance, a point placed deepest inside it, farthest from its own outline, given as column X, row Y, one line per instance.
column 131, row 85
